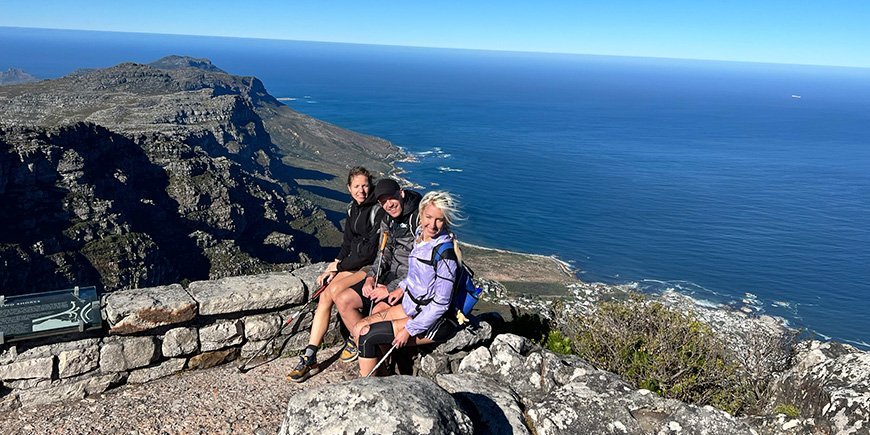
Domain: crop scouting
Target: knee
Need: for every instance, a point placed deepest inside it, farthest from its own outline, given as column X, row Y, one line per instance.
column 345, row 299
column 360, row 329
column 324, row 301
column 376, row 334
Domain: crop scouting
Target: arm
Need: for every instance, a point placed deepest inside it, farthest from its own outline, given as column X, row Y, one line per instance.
column 346, row 241
column 367, row 250
column 442, row 285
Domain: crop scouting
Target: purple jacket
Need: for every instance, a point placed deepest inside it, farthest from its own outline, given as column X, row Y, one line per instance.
column 425, row 282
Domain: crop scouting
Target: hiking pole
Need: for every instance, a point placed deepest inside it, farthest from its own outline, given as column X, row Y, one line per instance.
column 243, row 368
column 382, row 360
column 378, row 270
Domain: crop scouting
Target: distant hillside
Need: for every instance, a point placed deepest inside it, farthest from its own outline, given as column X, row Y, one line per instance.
column 141, row 175
column 14, row 76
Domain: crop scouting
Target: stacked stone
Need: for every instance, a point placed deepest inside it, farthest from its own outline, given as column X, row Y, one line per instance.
column 156, row 332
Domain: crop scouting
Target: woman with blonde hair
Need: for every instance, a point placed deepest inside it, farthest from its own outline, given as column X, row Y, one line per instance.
column 425, row 314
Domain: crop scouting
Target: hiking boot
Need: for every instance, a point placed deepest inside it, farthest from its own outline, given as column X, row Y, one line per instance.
column 305, row 369
column 350, row 352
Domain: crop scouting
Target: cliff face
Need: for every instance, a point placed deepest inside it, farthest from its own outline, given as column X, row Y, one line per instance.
column 141, row 175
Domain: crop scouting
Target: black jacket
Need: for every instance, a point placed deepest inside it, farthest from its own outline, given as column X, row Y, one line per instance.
column 394, row 266
column 360, row 243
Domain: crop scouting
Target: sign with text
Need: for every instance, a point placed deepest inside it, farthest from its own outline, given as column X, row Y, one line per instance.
column 49, row 313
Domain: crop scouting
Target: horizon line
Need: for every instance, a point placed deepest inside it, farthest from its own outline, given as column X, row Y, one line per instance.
column 494, row 50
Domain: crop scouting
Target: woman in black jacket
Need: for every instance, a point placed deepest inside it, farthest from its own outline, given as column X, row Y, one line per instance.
column 358, row 249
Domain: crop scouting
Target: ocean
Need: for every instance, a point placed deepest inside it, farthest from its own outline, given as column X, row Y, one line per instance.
column 736, row 183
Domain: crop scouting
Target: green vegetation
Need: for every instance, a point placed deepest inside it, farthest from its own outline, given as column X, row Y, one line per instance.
column 558, row 343
column 659, row 349
column 789, row 410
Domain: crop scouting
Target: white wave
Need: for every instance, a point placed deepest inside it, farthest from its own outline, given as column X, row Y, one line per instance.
column 449, row 169
column 425, row 153
column 782, row 304
column 311, row 102
column 446, row 156
column 286, row 98
column 434, row 184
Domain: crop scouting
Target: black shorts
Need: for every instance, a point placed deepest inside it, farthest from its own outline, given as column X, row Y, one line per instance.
column 366, row 302
column 444, row 329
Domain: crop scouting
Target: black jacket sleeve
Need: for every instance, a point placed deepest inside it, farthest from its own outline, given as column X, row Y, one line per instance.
column 347, row 240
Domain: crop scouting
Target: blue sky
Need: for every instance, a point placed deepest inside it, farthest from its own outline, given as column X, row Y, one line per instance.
column 794, row 31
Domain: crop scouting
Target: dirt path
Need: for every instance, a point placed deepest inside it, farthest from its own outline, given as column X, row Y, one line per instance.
column 213, row 401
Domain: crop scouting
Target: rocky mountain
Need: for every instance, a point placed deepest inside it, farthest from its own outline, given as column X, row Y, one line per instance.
column 14, row 76
column 140, row 175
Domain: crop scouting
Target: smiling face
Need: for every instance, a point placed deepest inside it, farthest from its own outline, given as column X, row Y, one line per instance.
column 392, row 204
column 432, row 221
column 359, row 188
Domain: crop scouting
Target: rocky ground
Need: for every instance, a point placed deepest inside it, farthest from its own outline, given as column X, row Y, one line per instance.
column 212, row 401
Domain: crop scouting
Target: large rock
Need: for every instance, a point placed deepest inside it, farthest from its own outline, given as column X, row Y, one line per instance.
column 77, row 361
column 69, row 389
column 309, row 274
column 220, row 335
column 247, row 293
column 394, row 405
column 210, row 359
column 162, row 370
column 831, row 382
column 180, row 341
column 36, row 368
column 120, row 354
column 136, row 310
column 262, row 327
column 494, row 408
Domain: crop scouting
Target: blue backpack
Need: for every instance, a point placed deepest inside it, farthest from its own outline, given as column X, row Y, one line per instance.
column 465, row 293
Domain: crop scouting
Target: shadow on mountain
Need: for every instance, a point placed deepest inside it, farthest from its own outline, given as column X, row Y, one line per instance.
column 328, row 193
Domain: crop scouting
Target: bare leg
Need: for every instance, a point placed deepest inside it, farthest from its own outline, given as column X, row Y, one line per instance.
column 320, row 322
column 395, row 314
column 349, row 303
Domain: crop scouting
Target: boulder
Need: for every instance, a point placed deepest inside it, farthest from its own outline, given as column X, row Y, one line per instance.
column 309, row 274
column 262, row 327
column 393, row 405
column 137, row 310
column 247, row 293
column 493, row 407
column 221, row 335
column 829, row 381
column 77, row 361
column 162, row 370
column 120, row 354
column 69, row 389
column 36, row 368
column 210, row 359
column 180, row 341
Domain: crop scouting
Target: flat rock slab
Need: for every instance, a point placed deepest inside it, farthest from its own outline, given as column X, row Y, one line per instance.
column 247, row 293
column 393, row 405
column 137, row 310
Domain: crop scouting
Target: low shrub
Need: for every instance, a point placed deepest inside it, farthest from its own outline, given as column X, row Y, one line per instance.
column 789, row 410
column 659, row 349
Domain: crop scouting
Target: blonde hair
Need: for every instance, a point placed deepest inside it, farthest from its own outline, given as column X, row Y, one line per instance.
column 449, row 205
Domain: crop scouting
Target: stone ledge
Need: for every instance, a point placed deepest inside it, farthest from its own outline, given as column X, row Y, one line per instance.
column 247, row 293
column 137, row 310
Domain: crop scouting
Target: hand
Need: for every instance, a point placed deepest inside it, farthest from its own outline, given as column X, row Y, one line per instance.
column 401, row 338
column 395, row 296
column 332, row 267
column 368, row 286
column 325, row 277
column 379, row 293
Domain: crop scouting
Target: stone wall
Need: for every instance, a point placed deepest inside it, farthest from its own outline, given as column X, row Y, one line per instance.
column 155, row 332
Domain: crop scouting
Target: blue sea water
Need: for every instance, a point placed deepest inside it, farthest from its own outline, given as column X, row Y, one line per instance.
column 746, row 184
